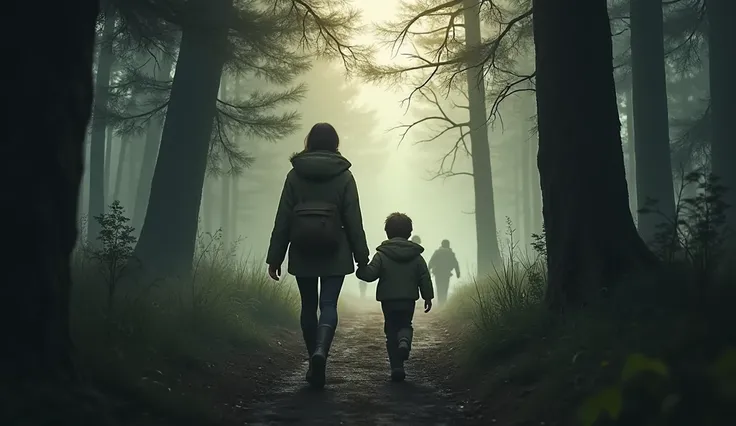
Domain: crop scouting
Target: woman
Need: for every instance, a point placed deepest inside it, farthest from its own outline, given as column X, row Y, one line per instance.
column 319, row 221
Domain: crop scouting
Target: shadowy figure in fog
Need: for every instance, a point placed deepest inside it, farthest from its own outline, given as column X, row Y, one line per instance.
column 416, row 239
column 442, row 262
column 363, row 288
column 402, row 274
column 319, row 221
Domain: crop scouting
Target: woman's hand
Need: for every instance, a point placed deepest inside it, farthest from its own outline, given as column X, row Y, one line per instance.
column 274, row 272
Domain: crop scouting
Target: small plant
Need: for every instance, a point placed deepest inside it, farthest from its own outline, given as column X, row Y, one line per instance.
column 697, row 232
column 651, row 392
column 116, row 252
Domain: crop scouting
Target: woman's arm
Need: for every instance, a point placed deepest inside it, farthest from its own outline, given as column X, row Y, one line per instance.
column 281, row 226
column 353, row 221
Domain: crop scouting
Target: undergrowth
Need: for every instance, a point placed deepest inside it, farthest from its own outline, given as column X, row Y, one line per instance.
column 658, row 351
column 144, row 338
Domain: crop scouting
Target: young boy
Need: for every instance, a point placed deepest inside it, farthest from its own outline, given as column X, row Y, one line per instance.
column 402, row 274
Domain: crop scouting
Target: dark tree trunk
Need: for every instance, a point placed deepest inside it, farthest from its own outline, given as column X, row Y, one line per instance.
column 722, row 60
column 488, row 252
column 651, row 123
column 150, row 152
column 96, row 200
column 631, row 153
column 43, row 169
column 168, row 237
column 591, row 238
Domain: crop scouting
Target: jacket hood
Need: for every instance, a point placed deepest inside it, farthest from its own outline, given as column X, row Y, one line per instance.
column 319, row 165
column 400, row 249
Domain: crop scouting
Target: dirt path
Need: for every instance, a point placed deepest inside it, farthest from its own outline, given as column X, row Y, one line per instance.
column 358, row 390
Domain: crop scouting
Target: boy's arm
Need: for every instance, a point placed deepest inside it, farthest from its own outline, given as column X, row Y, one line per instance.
column 370, row 272
column 425, row 281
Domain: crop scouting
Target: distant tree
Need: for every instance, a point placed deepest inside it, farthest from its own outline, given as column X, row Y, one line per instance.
column 651, row 122
column 43, row 165
column 591, row 238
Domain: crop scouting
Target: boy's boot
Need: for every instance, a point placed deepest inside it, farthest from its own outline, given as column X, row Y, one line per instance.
column 405, row 336
column 397, row 365
column 310, row 340
column 318, row 361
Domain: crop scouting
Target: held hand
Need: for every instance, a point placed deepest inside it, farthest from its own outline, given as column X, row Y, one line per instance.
column 274, row 272
column 427, row 306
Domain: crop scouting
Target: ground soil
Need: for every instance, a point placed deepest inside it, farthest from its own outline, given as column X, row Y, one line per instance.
column 358, row 390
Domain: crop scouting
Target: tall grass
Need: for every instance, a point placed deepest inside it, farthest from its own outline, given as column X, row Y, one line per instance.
column 492, row 310
column 153, row 332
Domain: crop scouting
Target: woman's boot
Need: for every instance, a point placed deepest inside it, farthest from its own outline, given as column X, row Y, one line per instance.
column 318, row 362
column 310, row 340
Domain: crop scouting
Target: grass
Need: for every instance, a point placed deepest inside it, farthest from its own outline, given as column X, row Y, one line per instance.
column 159, row 344
column 531, row 365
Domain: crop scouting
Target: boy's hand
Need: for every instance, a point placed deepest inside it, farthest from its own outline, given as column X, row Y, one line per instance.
column 427, row 306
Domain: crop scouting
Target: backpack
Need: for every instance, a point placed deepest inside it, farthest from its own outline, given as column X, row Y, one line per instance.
column 316, row 228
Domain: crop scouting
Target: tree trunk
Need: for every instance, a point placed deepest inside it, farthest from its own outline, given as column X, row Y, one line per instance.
column 96, row 200
column 591, row 238
column 631, row 153
column 123, row 157
column 651, row 123
column 536, row 189
column 168, row 237
column 150, row 152
column 721, row 53
column 43, row 169
column 488, row 252
column 108, row 166
column 526, row 184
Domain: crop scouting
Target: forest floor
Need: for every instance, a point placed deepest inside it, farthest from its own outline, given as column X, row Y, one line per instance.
column 358, row 390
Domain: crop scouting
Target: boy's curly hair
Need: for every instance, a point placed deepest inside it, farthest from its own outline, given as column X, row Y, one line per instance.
column 398, row 225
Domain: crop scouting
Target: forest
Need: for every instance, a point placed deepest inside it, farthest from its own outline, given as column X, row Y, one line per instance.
column 575, row 154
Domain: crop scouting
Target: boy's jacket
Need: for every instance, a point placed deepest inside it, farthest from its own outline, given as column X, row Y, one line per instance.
column 400, row 270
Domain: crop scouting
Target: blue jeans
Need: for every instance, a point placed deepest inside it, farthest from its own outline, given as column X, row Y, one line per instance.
column 326, row 299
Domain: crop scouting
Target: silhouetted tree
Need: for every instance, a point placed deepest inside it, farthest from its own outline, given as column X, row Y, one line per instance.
column 591, row 237
column 43, row 164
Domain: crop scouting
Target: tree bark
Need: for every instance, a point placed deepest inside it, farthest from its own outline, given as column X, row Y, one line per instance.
column 536, row 189
column 651, row 122
column 591, row 238
column 722, row 59
column 631, row 153
column 96, row 200
column 43, row 171
column 488, row 252
column 168, row 237
column 150, row 152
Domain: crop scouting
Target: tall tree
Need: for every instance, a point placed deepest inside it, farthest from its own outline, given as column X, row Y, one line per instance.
column 722, row 57
column 651, row 121
column 591, row 237
column 97, row 190
column 45, row 168
column 161, row 71
column 488, row 252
